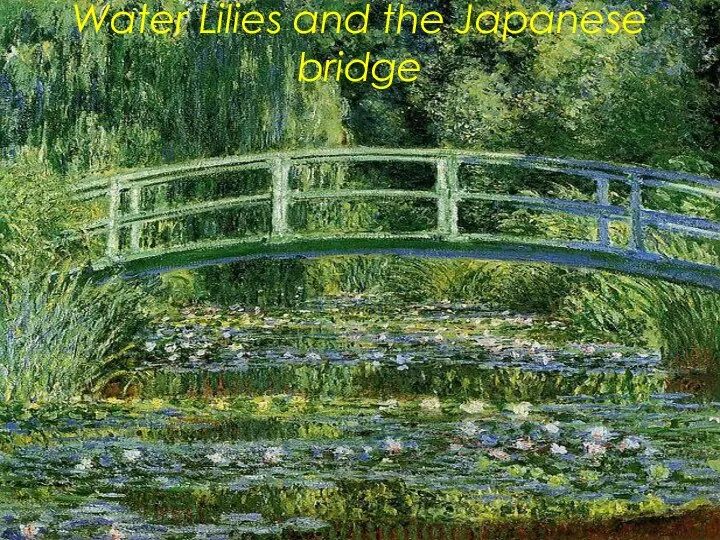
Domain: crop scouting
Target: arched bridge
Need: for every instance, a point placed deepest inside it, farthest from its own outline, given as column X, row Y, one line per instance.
column 157, row 219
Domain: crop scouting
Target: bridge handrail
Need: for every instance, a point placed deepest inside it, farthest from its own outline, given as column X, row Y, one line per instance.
column 468, row 157
column 447, row 193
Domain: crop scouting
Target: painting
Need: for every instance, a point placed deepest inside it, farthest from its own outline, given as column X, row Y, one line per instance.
column 435, row 270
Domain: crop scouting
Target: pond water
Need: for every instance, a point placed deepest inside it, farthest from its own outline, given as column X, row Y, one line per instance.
column 344, row 419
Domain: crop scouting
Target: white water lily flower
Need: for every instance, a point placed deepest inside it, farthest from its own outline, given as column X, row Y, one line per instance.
column 715, row 419
column 473, row 407
column 630, row 443
column 201, row 352
column 150, row 346
column 600, row 433
column 545, row 358
column 389, row 404
column 342, row 452
column 552, row 428
column 468, row 428
column 132, row 455
column 273, row 455
column 431, row 404
column 594, row 449
column 85, row 464
column 171, row 348
column 589, row 350
column 502, row 455
column 392, row 446
column 524, row 444
column 558, row 449
column 218, row 458
column 521, row 409
column 617, row 355
column 30, row 530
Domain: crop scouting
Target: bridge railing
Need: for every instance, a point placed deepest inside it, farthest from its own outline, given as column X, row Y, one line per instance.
column 447, row 195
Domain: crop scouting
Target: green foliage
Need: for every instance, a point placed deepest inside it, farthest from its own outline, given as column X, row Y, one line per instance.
column 684, row 322
column 99, row 101
column 31, row 218
column 58, row 333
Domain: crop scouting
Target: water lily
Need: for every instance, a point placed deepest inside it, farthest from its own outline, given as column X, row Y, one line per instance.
column 658, row 473
column 489, row 440
column 501, row 455
column 600, row 433
column 150, row 346
column 589, row 349
column 431, row 404
column 553, row 428
column 30, row 530
column 594, row 449
column 473, row 407
column 403, row 359
column 545, row 358
column 85, row 464
column 715, row 419
column 558, row 449
column 273, row 455
column 630, row 443
column 524, row 444
column 468, row 428
column 132, row 455
column 218, row 458
column 389, row 404
column 392, row 446
column 521, row 409
column 342, row 452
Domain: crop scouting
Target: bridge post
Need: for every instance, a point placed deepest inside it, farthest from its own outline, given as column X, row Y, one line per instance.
column 603, row 198
column 280, row 195
column 447, row 189
column 135, row 231
column 113, row 231
column 637, row 237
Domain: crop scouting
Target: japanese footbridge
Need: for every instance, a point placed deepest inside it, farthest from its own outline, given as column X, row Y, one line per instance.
column 123, row 230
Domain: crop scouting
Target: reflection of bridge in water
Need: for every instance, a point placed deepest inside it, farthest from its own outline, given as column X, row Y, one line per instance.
column 124, row 230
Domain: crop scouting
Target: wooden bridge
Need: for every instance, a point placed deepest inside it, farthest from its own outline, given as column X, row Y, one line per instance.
column 123, row 230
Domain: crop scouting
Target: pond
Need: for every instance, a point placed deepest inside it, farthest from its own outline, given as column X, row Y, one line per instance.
column 349, row 418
